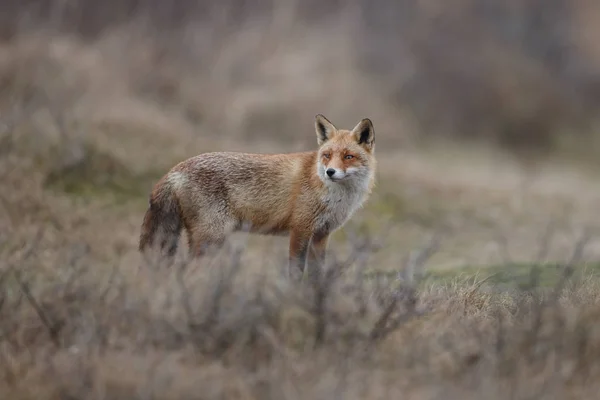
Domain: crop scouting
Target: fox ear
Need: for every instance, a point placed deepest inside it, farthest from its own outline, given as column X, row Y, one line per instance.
column 324, row 128
column 365, row 133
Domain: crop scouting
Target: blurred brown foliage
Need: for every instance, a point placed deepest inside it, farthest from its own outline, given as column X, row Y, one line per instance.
column 518, row 72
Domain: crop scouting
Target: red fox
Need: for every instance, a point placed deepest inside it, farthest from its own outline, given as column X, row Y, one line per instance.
column 306, row 195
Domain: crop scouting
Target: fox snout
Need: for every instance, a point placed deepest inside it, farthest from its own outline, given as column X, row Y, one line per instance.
column 335, row 173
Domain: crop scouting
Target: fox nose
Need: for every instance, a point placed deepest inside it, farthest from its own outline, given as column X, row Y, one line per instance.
column 330, row 172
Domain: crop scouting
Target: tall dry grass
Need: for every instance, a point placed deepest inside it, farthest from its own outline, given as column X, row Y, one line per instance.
column 229, row 329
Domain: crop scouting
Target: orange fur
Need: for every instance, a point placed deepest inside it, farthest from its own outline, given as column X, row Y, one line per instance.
column 214, row 194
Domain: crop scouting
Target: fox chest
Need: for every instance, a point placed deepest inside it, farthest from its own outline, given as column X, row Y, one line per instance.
column 338, row 207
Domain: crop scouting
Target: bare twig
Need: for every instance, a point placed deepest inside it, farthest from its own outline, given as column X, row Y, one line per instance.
column 545, row 241
column 502, row 242
column 321, row 284
column 576, row 258
column 224, row 282
column 417, row 259
column 109, row 284
column 51, row 327
column 386, row 323
column 185, row 297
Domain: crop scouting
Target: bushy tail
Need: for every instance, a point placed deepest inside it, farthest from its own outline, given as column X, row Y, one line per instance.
column 162, row 221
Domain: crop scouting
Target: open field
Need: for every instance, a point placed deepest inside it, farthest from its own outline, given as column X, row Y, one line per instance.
column 430, row 292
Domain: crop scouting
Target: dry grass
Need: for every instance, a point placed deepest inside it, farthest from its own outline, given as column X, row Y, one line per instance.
column 231, row 329
column 91, row 117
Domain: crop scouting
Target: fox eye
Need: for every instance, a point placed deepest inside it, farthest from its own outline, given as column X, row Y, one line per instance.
column 327, row 155
column 349, row 156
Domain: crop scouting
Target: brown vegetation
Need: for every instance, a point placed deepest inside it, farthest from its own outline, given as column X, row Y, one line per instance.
column 236, row 331
column 98, row 99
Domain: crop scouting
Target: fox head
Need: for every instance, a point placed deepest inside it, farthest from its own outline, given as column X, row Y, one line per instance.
column 345, row 156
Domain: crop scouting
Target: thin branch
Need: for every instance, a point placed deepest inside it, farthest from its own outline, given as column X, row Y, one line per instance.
column 416, row 260
column 545, row 241
column 502, row 243
column 52, row 328
column 576, row 258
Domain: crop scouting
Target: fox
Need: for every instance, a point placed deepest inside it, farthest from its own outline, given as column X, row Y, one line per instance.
column 306, row 196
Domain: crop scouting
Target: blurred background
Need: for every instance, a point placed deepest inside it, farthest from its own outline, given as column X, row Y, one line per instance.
column 519, row 73
column 485, row 111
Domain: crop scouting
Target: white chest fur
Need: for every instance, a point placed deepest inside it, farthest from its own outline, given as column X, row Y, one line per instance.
column 341, row 201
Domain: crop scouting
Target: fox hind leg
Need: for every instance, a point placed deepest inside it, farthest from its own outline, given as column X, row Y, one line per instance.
column 203, row 238
column 199, row 244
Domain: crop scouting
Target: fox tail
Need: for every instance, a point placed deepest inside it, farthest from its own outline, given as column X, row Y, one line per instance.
column 162, row 221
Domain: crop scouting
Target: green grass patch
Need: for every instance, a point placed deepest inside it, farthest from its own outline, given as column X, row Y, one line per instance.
column 101, row 175
column 518, row 276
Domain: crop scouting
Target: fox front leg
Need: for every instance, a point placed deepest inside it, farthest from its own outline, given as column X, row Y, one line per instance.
column 316, row 255
column 297, row 256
